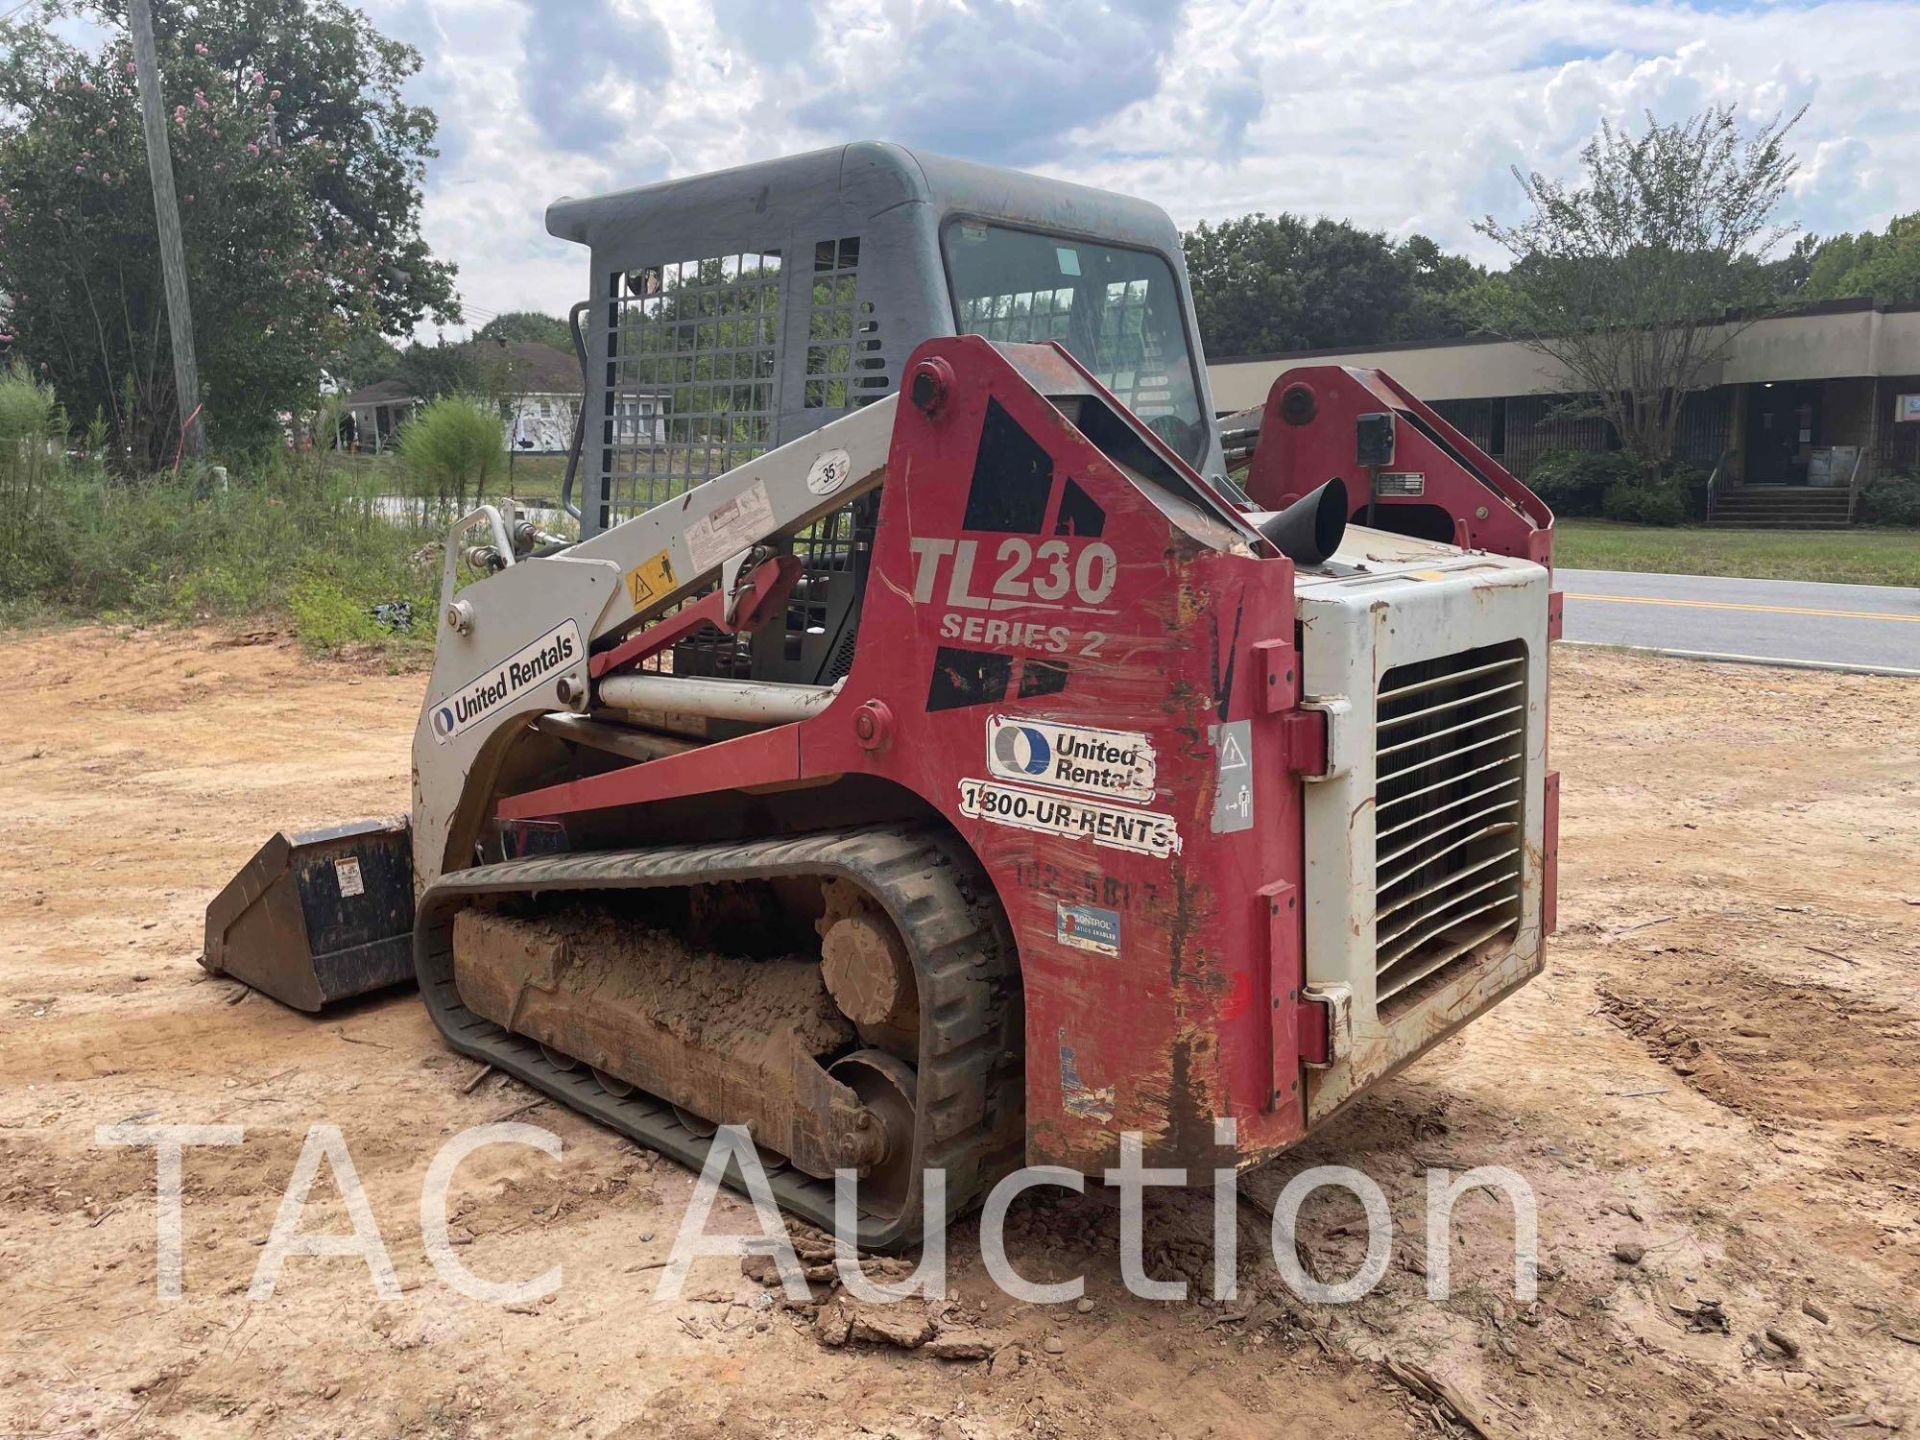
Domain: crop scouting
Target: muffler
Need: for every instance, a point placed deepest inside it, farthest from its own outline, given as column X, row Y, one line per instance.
column 1310, row 529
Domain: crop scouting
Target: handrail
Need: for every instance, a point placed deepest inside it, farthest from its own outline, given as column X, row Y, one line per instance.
column 1853, row 482
column 1713, row 483
column 580, row 413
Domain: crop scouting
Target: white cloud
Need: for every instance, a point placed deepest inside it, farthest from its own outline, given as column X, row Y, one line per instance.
column 1404, row 117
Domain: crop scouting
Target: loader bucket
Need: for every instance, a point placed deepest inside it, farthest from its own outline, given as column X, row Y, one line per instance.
column 318, row 916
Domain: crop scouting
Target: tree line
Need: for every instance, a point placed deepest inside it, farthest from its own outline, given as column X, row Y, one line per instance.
column 1270, row 284
column 1635, row 277
column 300, row 166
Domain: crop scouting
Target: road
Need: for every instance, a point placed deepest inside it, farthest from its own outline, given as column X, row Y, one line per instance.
column 1874, row 627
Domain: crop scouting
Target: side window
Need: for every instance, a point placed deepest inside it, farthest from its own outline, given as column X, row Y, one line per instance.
column 1118, row 310
column 846, row 363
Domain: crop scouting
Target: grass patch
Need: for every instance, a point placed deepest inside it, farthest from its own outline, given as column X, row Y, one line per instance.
column 296, row 543
column 1848, row 557
column 535, row 479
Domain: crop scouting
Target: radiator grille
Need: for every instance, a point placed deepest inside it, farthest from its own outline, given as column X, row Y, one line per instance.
column 1450, row 771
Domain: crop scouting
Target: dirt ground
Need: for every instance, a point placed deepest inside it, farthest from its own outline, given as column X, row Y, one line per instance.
column 1714, row 1093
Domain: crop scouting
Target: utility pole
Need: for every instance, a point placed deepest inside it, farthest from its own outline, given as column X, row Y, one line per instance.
column 166, row 210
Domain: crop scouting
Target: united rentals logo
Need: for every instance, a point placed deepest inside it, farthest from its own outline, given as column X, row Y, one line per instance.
column 550, row 655
column 1022, row 748
column 1111, row 764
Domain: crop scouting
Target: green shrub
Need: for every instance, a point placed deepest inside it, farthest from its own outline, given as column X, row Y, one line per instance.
column 451, row 446
column 1689, row 482
column 327, row 617
column 292, row 541
column 1647, row 502
column 1892, row 500
column 1576, row 482
column 28, row 409
column 32, row 435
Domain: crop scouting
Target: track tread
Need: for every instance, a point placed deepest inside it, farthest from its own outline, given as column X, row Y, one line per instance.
column 970, row 1072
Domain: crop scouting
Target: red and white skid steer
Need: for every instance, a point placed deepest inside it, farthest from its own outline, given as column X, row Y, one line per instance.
column 928, row 756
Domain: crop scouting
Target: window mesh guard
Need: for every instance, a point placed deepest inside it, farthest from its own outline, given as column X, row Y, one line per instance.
column 691, row 374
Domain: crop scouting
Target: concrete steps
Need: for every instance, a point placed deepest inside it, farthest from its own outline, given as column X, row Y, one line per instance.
column 1781, row 507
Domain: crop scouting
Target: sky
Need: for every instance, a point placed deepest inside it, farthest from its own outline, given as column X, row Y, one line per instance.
column 1400, row 115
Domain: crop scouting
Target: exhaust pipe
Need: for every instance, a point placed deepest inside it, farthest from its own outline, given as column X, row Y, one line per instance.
column 1310, row 529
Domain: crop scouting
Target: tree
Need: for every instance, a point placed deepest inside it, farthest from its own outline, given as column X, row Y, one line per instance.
column 522, row 325
column 1276, row 283
column 430, row 371
column 363, row 359
column 297, row 167
column 1447, row 294
column 452, row 445
column 1638, row 279
column 334, row 85
column 1787, row 276
column 1883, row 267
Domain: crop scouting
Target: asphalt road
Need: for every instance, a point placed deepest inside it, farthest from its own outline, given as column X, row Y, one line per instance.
column 1871, row 627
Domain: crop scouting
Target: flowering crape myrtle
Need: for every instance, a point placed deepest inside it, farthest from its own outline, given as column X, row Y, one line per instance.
column 298, row 168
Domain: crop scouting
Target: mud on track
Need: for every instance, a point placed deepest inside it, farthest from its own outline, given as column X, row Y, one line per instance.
column 1720, row 1071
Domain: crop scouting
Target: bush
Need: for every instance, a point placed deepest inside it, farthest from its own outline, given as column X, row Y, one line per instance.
column 28, row 409
column 1648, row 502
column 451, row 447
column 1689, row 482
column 32, row 429
column 1892, row 500
column 1580, row 483
column 293, row 541
column 1576, row 482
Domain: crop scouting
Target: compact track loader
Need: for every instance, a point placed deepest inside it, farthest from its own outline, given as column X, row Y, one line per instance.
column 927, row 756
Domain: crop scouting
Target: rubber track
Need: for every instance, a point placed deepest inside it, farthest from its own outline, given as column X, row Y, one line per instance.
column 970, row 1119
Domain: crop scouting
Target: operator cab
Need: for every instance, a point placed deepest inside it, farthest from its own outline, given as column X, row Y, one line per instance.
column 735, row 312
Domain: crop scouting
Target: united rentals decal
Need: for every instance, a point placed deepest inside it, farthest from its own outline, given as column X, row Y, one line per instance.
column 1141, row 831
column 551, row 655
column 1111, row 764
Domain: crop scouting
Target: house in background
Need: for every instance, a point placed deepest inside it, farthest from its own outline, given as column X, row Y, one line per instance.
column 541, row 390
column 377, row 411
column 1805, row 410
column 539, row 387
column 536, row 386
column 538, row 390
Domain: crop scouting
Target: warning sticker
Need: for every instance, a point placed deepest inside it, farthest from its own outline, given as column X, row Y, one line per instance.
column 347, row 871
column 552, row 655
column 650, row 579
column 731, row 527
column 1113, row 764
column 1087, row 927
column 1141, row 831
column 1233, row 776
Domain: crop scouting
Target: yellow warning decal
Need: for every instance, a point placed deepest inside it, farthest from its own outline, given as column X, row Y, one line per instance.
column 650, row 579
